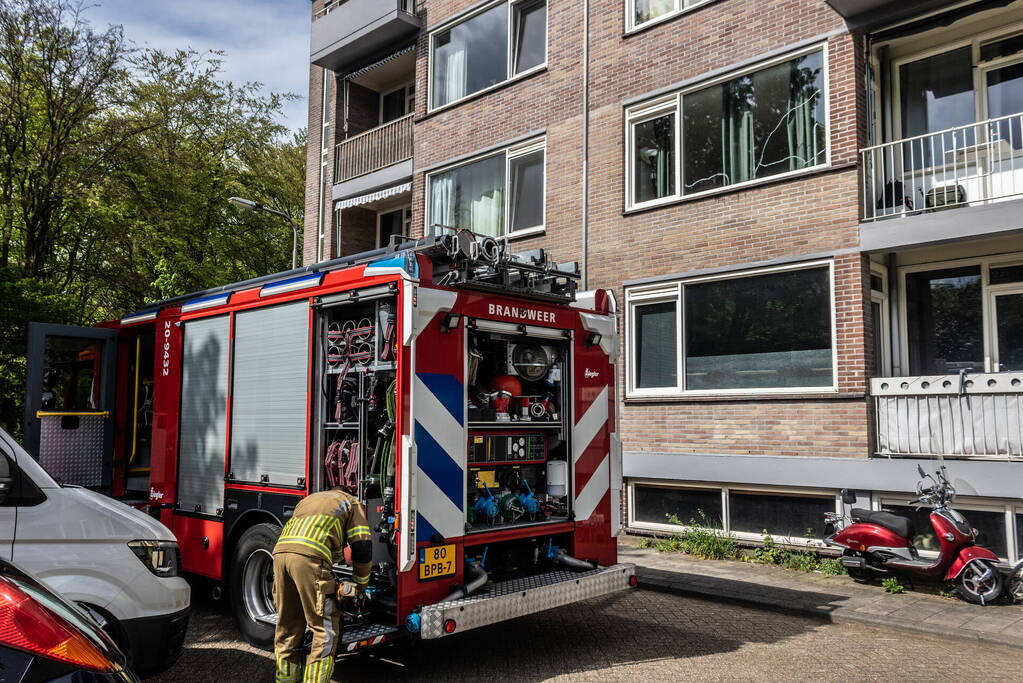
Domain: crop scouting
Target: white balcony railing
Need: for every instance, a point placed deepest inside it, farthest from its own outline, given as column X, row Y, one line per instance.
column 373, row 150
column 963, row 166
column 979, row 415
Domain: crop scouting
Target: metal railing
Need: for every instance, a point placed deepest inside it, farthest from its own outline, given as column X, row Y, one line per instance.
column 963, row 166
column 373, row 150
column 969, row 415
column 404, row 5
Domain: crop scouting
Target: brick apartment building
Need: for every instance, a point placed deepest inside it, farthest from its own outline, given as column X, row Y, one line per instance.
column 807, row 209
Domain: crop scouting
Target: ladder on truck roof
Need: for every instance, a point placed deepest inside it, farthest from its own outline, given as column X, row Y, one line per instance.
column 473, row 262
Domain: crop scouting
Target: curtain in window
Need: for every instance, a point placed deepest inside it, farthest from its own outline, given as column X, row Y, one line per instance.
column 738, row 150
column 442, row 202
column 651, row 9
column 801, row 121
column 454, row 73
column 487, row 213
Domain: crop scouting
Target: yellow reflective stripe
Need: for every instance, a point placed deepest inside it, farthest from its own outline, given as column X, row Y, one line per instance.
column 358, row 531
column 318, row 547
column 361, row 579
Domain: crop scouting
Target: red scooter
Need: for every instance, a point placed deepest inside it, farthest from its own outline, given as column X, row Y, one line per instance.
column 878, row 544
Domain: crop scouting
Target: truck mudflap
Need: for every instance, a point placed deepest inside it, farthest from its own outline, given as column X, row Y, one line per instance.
column 516, row 598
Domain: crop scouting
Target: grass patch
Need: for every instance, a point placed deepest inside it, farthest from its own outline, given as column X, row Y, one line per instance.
column 699, row 539
column 832, row 566
column 807, row 560
column 893, row 586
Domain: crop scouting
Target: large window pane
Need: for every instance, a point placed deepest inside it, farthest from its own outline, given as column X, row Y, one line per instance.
column 655, row 503
column 470, row 197
column 530, row 35
column 767, row 331
column 779, row 515
column 656, row 345
column 758, row 125
column 527, row 191
column 944, row 321
column 654, row 164
column 936, row 94
column 648, row 10
column 1009, row 331
column 1004, row 98
column 470, row 56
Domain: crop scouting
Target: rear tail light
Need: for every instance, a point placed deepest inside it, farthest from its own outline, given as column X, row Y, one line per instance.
column 27, row 625
column 450, row 626
column 633, row 581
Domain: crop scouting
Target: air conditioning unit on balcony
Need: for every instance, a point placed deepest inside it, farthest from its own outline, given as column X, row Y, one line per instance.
column 945, row 197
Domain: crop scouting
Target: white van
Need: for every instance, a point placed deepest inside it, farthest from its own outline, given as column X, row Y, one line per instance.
column 120, row 564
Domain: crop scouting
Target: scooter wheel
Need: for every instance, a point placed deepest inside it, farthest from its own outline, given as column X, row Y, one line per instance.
column 859, row 575
column 980, row 583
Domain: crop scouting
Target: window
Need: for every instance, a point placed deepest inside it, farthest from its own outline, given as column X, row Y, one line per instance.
column 397, row 103
column 766, row 331
column 500, row 42
column 780, row 515
column 789, row 515
column 880, row 317
column 497, row 195
column 639, row 13
column 765, row 123
column 962, row 315
column 654, row 504
column 396, row 222
column 944, row 319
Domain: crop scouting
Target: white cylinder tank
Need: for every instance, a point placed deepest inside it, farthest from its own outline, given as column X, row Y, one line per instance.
column 557, row 478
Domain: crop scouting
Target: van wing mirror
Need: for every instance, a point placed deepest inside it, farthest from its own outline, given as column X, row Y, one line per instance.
column 848, row 497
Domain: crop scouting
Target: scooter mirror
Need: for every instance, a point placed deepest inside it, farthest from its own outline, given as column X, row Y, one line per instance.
column 921, row 471
column 848, row 497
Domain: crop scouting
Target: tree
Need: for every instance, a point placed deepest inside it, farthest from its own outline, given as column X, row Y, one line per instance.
column 116, row 165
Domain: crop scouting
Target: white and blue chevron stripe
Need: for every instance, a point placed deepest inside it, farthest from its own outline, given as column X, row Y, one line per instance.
column 438, row 402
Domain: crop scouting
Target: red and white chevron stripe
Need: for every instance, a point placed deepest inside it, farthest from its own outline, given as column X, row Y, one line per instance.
column 591, row 460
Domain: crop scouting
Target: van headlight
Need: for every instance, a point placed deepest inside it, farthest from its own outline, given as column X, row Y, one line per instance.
column 160, row 557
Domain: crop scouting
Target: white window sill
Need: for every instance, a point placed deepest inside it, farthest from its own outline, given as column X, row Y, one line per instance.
column 527, row 232
column 736, row 187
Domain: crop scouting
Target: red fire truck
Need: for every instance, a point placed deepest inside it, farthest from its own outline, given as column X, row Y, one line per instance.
column 466, row 393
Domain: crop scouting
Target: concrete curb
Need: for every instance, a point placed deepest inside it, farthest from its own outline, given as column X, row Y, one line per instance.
column 835, row 615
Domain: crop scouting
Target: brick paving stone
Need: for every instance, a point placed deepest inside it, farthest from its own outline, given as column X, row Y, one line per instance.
column 837, row 597
column 632, row 636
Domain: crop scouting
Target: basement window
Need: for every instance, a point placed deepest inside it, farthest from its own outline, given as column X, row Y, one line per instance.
column 656, row 504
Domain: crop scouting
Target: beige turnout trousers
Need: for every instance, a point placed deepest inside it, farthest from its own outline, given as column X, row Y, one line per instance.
column 304, row 592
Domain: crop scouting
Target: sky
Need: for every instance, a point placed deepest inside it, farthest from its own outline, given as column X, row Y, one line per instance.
column 265, row 40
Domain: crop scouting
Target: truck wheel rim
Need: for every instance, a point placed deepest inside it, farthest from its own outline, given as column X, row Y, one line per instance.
column 257, row 587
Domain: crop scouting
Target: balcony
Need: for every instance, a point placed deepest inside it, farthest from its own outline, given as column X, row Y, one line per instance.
column 861, row 14
column 972, row 416
column 348, row 31
column 374, row 150
column 971, row 165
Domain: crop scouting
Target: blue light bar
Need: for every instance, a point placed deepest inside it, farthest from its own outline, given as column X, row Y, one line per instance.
column 206, row 302
column 291, row 284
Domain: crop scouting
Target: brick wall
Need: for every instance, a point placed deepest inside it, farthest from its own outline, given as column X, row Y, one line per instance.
column 806, row 215
column 313, row 161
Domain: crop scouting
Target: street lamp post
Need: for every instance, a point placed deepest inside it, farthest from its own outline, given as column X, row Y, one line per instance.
column 256, row 207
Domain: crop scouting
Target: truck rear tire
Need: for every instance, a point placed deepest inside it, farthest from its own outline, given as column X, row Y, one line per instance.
column 251, row 585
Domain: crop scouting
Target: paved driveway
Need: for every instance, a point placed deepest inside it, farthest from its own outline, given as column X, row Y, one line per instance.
column 636, row 636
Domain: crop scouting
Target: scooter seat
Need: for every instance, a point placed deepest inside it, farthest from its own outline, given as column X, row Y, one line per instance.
column 903, row 526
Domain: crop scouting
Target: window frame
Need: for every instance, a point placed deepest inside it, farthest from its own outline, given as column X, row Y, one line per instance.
column 408, row 92
column 679, row 9
column 643, row 111
column 726, row 514
column 510, row 152
column 987, row 294
column 509, row 52
column 406, row 221
column 882, row 327
column 659, row 293
column 979, row 69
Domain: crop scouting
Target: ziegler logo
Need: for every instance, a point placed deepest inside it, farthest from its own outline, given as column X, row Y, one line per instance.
column 522, row 313
column 155, row 495
column 589, row 374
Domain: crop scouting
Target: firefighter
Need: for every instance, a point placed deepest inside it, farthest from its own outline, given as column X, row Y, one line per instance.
column 304, row 587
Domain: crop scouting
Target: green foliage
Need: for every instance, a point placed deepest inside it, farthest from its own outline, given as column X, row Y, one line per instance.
column 831, row 566
column 116, row 165
column 646, row 542
column 802, row 561
column 700, row 539
column 892, row 585
column 769, row 552
column 946, row 593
